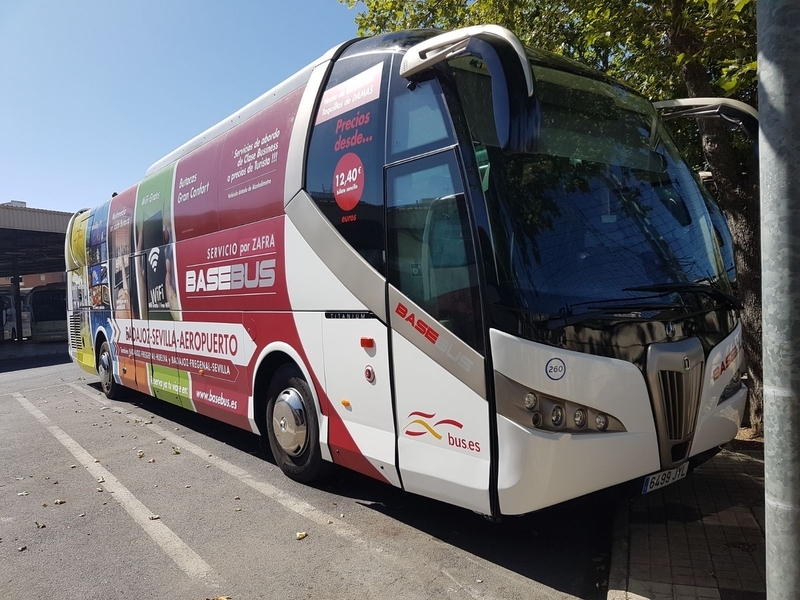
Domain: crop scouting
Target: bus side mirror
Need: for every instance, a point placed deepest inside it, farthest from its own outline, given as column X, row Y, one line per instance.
column 516, row 115
column 515, row 107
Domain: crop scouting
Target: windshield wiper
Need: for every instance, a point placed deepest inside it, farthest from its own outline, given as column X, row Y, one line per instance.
column 622, row 311
column 695, row 288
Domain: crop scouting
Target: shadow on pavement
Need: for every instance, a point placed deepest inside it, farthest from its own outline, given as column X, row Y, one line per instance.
column 566, row 547
column 18, row 363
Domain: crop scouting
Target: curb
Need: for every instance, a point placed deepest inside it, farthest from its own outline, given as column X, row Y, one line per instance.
column 620, row 555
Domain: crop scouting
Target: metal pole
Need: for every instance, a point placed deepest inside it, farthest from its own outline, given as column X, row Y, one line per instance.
column 779, row 145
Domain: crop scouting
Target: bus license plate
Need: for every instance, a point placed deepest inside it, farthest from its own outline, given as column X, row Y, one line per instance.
column 659, row 480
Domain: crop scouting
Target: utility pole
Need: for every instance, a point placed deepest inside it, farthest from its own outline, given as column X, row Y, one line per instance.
column 779, row 147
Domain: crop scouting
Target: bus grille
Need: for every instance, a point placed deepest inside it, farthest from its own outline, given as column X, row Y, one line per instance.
column 680, row 394
column 675, row 376
column 75, row 337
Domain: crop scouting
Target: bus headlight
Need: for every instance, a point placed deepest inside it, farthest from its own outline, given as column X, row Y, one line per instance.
column 557, row 416
column 537, row 410
column 531, row 401
column 601, row 422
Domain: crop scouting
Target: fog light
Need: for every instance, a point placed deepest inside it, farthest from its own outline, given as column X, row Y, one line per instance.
column 536, row 419
column 531, row 401
column 601, row 422
column 557, row 416
column 579, row 417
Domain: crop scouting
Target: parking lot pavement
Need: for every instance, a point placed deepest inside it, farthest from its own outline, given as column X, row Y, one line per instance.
column 700, row 538
column 162, row 502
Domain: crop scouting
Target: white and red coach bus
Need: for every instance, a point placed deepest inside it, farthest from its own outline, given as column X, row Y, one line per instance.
column 473, row 270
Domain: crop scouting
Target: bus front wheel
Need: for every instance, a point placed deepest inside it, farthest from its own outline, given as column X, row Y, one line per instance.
column 292, row 426
column 105, row 371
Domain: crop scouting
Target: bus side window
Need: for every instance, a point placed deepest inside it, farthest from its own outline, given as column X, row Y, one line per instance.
column 431, row 259
column 417, row 119
column 344, row 169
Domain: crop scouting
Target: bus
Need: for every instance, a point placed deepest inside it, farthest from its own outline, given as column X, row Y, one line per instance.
column 474, row 270
column 47, row 305
column 8, row 317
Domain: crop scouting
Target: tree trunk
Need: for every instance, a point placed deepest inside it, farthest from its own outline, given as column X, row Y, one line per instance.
column 738, row 194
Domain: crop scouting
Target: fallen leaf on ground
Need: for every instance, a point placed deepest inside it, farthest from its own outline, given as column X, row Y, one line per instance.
column 101, row 480
column 140, row 453
column 60, row 502
column 176, row 450
column 40, row 525
column 301, row 535
column 154, row 517
column 22, row 493
column 22, row 548
column 152, row 460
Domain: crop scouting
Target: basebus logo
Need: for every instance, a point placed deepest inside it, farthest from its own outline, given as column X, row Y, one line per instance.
column 433, row 336
column 260, row 274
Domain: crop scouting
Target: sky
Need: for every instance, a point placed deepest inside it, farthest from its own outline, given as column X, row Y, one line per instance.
column 94, row 92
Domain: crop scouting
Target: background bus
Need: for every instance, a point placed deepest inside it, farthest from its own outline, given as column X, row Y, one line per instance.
column 8, row 317
column 473, row 270
column 47, row 305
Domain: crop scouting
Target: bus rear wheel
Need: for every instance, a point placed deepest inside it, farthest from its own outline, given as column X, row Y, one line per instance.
column 105, row 371
column 292, row 426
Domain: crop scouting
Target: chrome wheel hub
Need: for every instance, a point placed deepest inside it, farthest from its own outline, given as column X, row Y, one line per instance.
column 104, row 370
column 289, row 422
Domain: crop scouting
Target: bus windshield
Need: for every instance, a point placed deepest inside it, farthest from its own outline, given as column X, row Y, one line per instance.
column 605, row 204
column 49, row 305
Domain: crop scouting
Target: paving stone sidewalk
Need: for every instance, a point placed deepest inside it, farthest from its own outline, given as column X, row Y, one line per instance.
column 701, row 538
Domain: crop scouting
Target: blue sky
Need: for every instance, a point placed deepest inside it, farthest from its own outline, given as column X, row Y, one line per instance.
column 94, row 92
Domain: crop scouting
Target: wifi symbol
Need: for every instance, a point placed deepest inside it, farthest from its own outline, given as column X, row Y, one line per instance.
column 152, row 258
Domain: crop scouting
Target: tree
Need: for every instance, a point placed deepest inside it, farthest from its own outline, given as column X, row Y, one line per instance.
column 664, row 49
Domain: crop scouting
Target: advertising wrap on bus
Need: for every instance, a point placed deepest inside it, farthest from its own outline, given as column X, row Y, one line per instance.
column 498, row 300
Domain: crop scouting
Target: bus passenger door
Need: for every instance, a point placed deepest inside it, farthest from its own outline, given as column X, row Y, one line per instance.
column 434, row 311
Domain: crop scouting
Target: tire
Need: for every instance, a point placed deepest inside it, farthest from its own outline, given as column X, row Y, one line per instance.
column 292, row 426
column 105, row 371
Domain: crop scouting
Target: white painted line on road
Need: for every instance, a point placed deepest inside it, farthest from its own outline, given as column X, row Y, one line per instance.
column 290, row 501
column 187, row 559
column 285, row 499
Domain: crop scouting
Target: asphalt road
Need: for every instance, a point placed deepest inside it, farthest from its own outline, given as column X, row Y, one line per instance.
column 140, row 499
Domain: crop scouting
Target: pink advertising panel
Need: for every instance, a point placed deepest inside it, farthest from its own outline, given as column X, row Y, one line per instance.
column 253, row 164
column 195, row 194
column 234, row 269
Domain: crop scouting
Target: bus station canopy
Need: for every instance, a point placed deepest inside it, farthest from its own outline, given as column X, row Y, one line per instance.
column 33, row 238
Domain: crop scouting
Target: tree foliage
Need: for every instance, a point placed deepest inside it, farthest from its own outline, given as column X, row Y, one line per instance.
column 662, row 48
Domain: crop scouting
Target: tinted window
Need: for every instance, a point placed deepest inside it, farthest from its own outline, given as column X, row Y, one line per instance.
column 417, row 119
column 344, row 173
column 431, row 258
